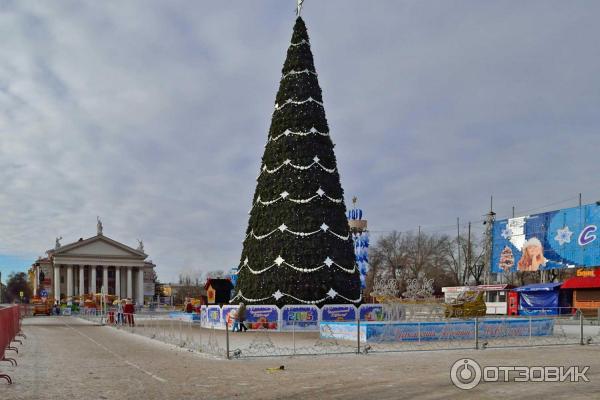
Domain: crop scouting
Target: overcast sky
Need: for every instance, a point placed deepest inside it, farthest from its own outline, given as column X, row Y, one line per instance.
column 154, row 115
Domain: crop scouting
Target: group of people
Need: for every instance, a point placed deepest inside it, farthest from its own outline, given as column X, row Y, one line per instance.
column 189, row 307
column 125, row 310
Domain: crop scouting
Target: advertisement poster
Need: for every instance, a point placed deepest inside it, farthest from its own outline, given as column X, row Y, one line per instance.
column 213, row 315
column 371, row 312
column 338, row 312
column 228, row 314
column 300, row 318
column 564, row 238
column 458, row 330
column 262, row 317
column 342, row 331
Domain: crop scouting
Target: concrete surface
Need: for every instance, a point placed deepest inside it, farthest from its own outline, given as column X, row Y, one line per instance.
column 68, row 358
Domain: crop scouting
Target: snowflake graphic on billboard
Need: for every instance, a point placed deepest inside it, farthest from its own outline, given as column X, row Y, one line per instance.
column 507, row 233
column 563, row 235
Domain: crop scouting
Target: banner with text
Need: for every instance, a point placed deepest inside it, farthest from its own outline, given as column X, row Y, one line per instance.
column 262, row 317
column 300, row 318
column 338, row 312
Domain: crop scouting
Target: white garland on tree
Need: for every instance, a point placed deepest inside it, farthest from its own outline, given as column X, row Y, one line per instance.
column 279, row 261
column 288, row 132
column 297, row 102
column 316, row 161
column 285, row 195
column 284, row 228
column 279, row 294
column 304, row 71
column 300, row 43
column 247, row 299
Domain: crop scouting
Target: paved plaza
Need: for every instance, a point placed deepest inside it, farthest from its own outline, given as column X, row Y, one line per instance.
column 68, row 358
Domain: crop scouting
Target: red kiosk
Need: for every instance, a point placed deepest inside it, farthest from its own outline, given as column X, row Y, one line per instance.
column 586, row 291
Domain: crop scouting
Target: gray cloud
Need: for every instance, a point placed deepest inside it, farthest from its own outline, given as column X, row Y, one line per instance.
column 154, row 114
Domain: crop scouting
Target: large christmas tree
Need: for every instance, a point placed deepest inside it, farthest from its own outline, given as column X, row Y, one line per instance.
column 298, row 249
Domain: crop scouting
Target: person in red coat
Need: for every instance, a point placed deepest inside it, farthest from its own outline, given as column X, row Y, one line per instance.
column 128, row 310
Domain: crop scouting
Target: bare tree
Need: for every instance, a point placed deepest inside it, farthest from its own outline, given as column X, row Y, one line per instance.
column 216, row 274
column 191, row 284
column 407, row 256
column 466, row 259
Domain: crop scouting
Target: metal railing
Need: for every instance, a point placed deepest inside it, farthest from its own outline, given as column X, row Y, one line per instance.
column 548, row 327
column 10, row 333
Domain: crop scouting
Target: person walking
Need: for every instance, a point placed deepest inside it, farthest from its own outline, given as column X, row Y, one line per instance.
column 233, row 316
column 120, row 311
column 241, row 317
column 188, row 306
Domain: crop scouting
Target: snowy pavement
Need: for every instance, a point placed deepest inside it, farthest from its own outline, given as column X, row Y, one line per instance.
column 68, row 358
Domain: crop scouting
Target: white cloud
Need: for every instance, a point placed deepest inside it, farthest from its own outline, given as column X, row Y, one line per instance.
column 154, row 114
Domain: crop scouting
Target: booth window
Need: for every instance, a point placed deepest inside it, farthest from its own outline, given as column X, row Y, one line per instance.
column 502, row 296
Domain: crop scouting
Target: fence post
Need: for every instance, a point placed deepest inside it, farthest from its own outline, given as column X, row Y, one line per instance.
column 227, row 338
column 358, row 336
column 530, row 329
column 294, row 336
column 580, row 327
column 476, row 333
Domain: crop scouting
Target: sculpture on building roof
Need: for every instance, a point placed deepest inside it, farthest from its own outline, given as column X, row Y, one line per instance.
column 140, row 245
column 57, row 243
column 98, row 226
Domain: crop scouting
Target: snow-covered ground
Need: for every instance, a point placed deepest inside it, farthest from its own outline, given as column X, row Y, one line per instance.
column 67, row 358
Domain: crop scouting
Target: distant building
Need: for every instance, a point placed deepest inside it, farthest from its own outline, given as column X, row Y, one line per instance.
column 176, row 292
column 85, row 266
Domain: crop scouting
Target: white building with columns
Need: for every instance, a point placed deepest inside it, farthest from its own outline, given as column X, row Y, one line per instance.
column 88, row 265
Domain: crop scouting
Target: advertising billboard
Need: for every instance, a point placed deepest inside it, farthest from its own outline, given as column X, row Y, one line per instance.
column 262, row 317
column 300, row 318
column 228, row 314
column 338, row 312
column 213, row 316
column 564, row 238
column 371, row 312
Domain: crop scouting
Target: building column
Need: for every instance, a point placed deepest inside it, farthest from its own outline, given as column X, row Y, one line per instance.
column 118, row 282
column 105, row 278
column 93, row 279
column 140, row 288
column 129, row 284
column 81, row 280
column 57, row 282
column 69, row 280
